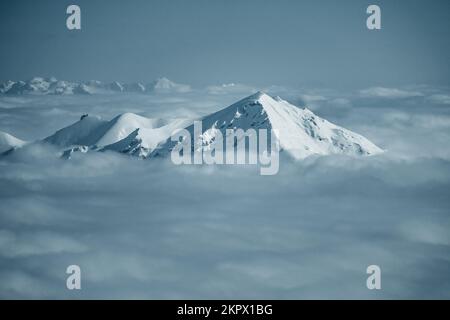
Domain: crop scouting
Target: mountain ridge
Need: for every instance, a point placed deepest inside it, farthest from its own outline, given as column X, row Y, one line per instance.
column 299, row 131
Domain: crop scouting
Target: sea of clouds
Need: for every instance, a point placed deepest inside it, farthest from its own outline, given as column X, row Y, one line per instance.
column 149, row 229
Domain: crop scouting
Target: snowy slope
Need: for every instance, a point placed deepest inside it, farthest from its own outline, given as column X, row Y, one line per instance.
column 145, row 139
column 93, row 131
column 126, row 133
column 8, row 142
column 123, row 125
column 86, row 132
column 299, row 131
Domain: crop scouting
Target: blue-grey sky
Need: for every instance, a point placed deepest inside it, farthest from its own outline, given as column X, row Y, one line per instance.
column 314, row 43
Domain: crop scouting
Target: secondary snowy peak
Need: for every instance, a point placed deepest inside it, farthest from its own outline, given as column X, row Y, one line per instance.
column 87, row 131
column 143, row 140
column 127, row 133
column 93, row 131
column 300, row 132
column 8, row 142
column 123, row 125
column 53, row 86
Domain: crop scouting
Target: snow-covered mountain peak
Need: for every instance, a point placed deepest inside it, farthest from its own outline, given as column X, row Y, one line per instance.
column 300, row 132
column 93, row 131
column 128, row 117
column 258, row 98
column 143, row 140
column 126, row 133
column 257, row 95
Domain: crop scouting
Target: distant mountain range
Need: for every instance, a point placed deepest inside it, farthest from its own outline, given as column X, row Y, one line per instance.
column 54, row 86
column 300, row 132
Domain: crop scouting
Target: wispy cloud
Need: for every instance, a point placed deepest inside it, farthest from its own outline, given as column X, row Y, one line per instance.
column 228, row 88
column 439, row 98
column 388, row 93
column 36, row 243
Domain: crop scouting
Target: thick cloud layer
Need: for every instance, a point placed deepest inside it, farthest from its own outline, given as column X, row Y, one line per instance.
column 149, row 229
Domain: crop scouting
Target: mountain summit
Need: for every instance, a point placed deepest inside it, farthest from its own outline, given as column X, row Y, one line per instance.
column 300, row 132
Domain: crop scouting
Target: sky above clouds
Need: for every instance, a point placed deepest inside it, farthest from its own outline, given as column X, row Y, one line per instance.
column 318, row 43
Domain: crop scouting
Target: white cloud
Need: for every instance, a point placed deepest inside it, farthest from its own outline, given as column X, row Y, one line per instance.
column 308, row 98
column 388, row 93
column 229, row 88
column 341, row 102
column 439, row 98
column 36, row 243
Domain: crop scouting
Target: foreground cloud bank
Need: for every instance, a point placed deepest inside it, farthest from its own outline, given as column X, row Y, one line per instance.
column 148, row 229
